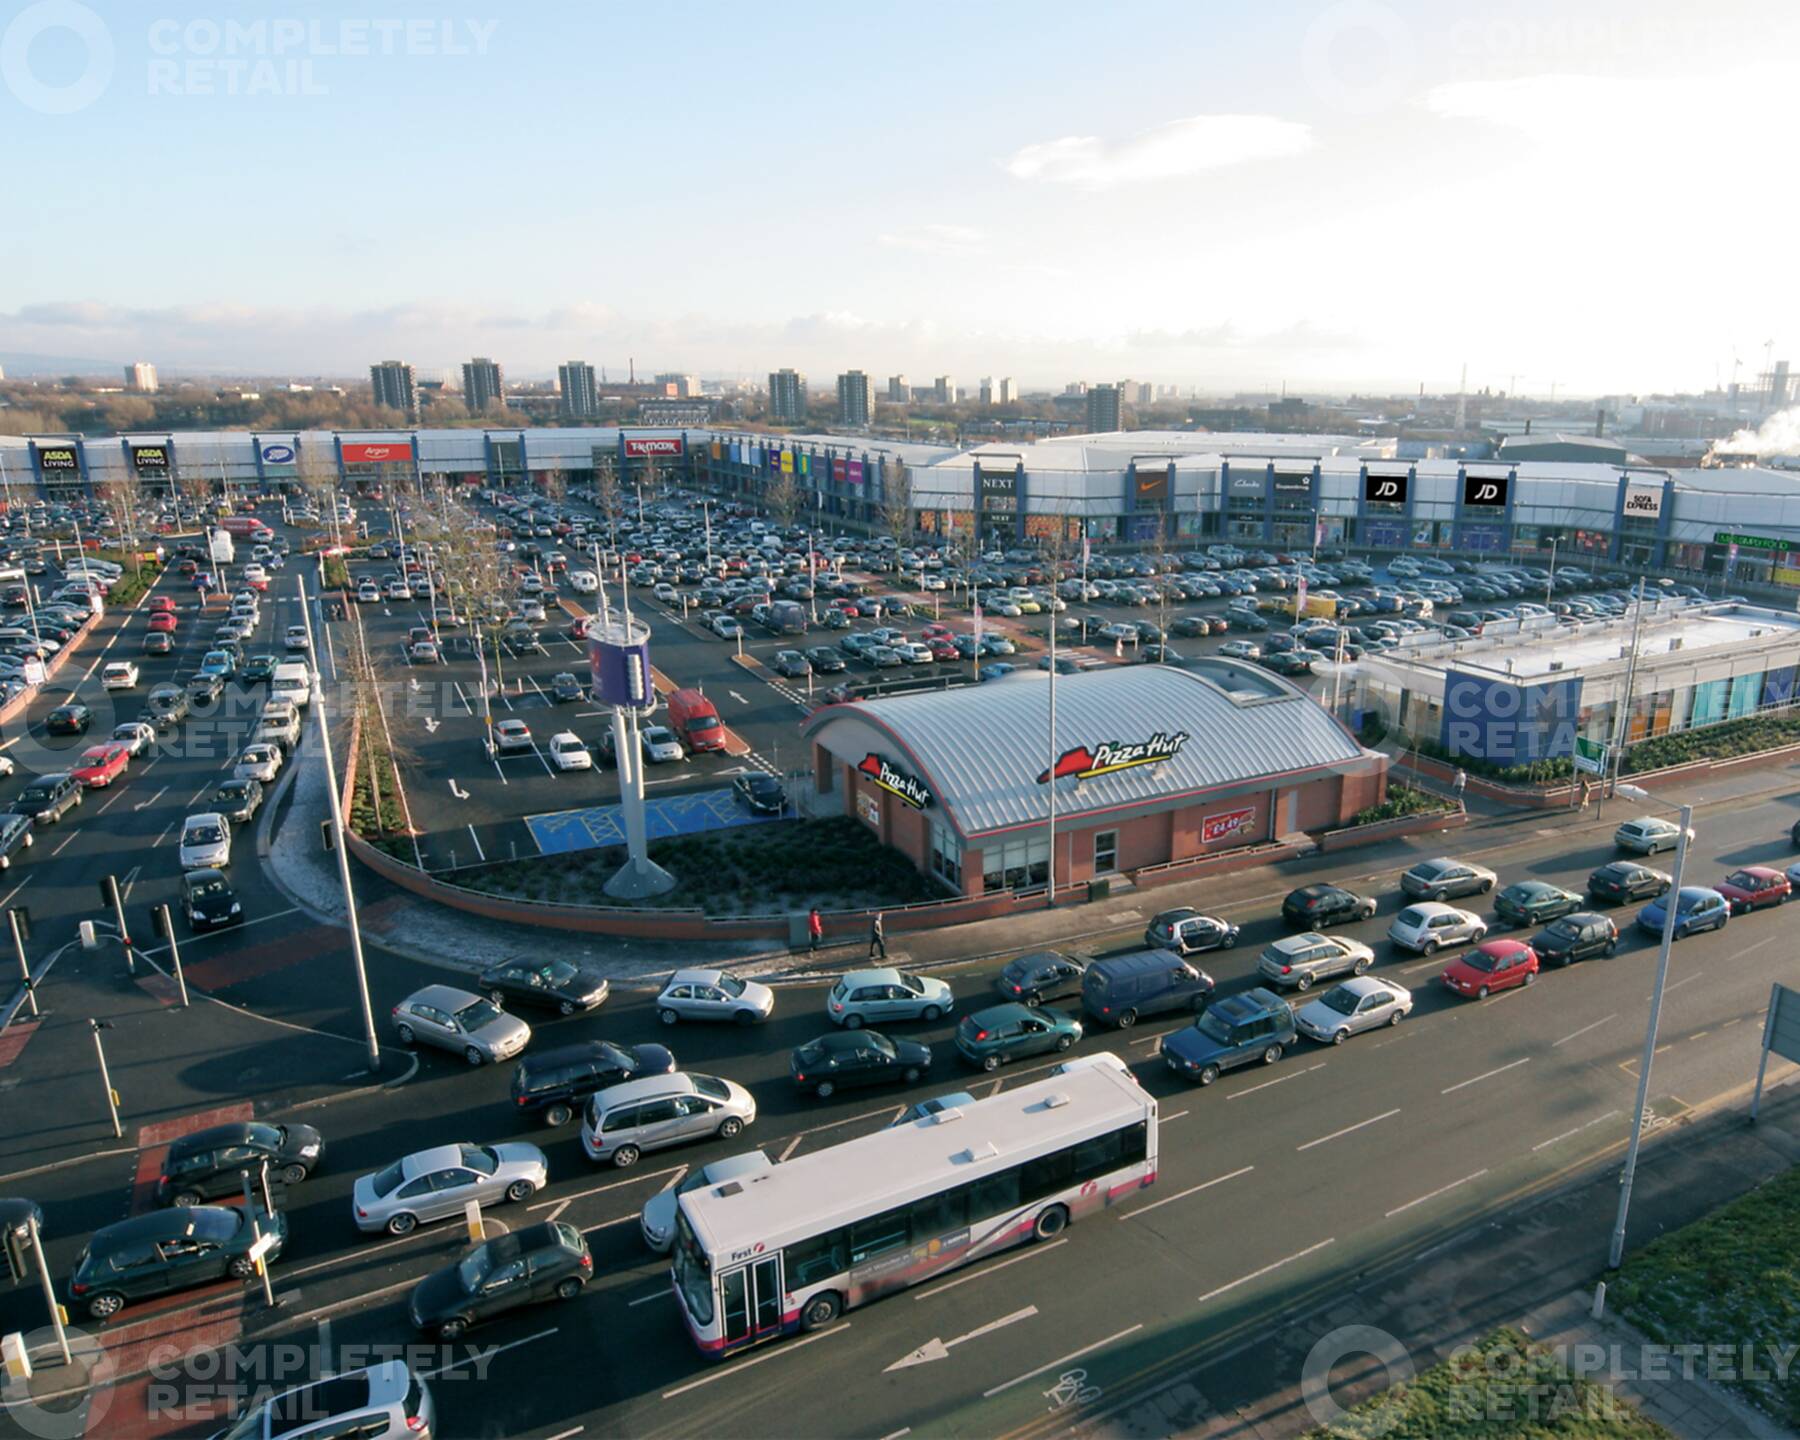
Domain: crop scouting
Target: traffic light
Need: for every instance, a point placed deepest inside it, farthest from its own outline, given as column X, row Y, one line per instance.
column 18, row 1251
column 327, row 836
column 23, row 916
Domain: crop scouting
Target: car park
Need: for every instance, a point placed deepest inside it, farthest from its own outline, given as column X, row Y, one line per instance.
column 1041, row 975
column 169, row 1250
column 1120, row 990
column 1647, row 835
column 546, row 1261
column 1298, row 962
column 452, row 1019
column 438, row 1183
column 885, row 995
column 1428, row 926
column 1578, row 936
column 556, row 1082
column 840, row 1060
column 1697, row 909
column 992, row 1037
column 562, row 985
column 1188, row 932
column 1491, row 966
column 713, row 995
column 210, row 1164
column 1754, row 887
column 1255, row 1026
column 1363, row 1003
column 1532, row 902
column 1622, row 881
column 1316, row 906
column 624, row 1122
column 1446, row 879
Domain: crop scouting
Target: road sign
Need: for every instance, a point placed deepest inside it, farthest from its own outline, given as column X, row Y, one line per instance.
column 262, row 1245
column 1590, row 756
column 1781, row 1036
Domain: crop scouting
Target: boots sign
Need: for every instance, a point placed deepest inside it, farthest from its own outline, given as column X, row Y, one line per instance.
column 1085, row 762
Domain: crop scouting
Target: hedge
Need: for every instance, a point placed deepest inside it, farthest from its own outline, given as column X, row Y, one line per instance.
column 1401, row 800
column 1715, row 742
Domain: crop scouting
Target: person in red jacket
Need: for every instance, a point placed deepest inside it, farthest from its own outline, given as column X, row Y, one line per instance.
column 815, row 929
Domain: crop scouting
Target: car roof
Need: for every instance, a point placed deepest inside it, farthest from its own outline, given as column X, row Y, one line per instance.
column 886, row 975
column 205, row 817
column 238, row 1131
column 1368, row 985
column 1432, row 907
column 694, row 977
column 1255, row 1001
column 446, row 997
column 646, row 1087
column 163, row 1224
column 423, row 1162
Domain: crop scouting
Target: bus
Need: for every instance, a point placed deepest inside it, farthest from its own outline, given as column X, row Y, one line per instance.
column 794, row 1247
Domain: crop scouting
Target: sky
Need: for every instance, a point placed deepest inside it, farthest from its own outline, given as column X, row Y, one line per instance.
column 1334, row 196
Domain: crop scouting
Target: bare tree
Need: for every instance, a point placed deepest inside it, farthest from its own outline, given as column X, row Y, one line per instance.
column 783, row 499
column 194, row 487
column 897, row 500
column 607, row 497
column 120, row 496
column 317, row 479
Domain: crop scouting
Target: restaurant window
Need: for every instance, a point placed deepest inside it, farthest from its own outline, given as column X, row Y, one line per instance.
column 946, row 855
column 1019, row 864
column 1106, row 852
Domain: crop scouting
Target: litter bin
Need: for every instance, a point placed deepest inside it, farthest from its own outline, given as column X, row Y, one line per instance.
column 1099, row 889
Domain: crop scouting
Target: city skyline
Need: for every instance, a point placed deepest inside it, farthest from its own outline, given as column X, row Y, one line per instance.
column 1356, row 202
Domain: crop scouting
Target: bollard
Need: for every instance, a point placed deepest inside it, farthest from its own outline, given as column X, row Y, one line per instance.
column 472, row 1214
column 16, row 1356
column 89, row 939
column 1599, row 1300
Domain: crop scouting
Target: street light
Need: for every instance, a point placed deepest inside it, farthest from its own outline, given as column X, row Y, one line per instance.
column 112, row 1096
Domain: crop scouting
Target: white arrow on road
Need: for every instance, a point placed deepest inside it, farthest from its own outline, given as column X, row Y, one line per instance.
column 935, row 1349
column 737, row 697
column 146, row 804
column 458, row 791
column 430, row 726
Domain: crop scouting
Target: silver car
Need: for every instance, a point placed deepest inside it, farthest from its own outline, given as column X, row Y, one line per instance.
column 381, row 1401
column 454, row 1019
column 657, row 1220
column 1445, row 879
column 1294, row 962
column 713, row 995
column 436, row 1184
column 868, row 996
column 1356, row 1005
column 1424, row 927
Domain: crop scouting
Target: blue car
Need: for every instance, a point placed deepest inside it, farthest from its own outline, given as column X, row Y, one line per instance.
column 1697, row 908
column 1254, row 1027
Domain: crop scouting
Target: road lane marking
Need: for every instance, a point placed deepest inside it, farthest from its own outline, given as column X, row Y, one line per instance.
column 1544, row 1144
column 1583, row 1030
column 473, row 838
column 146, row 804
column 616, row 1184
column 487, row 1355
column 664, row 1294
column 1442, row 1190
column 787, row 1349
column 1165, row 1119
column 1183, row 1194
column 1349, row 1129
column 792, row 1146
column 1684, row 979
column 988, row 1270
column 65, row 843
column 1063, row 1360
column 1258, row 1274
column 1485, row 1075
column 1291, row 1075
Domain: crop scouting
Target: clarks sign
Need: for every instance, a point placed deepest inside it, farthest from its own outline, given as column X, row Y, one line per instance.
column 1085, row 762
column 909, row 789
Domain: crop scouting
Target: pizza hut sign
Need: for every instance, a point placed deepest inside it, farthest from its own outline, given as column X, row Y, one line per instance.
column 909, row 789
column 1085, row 762
column 1226, row 824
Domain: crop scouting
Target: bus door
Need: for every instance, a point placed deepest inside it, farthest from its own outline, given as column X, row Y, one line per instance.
column 751, row 1301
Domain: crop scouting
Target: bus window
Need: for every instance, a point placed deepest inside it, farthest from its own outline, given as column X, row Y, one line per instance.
column 939, row 1214
column 737, row 1303
column 821, row 1257
column 994, row 1195
column 877, row 1236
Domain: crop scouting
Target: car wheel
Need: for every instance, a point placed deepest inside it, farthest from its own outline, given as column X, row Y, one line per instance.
column 559, row 1114
column 625, row 1157
column 567, row 1007
column 1208, row 1074
column 1612, row 948
column 1482, row 993
column 820, row 1311
column 189, row 1198
column 242, row 1267
column 105, row 1305
column 1034, row 998
column 293, row 1174
column 853, row 1021
column 931, row 1012
column 1338, row 1037
column 1396, row 1017
column 1063, row 1042
column 1429, row 948
column 1530, row 978
column 1361, row 966
column 910, row 1075
column 404, row 1033
column 403, row 1223
column 1051, row 1223
column 472, row 1055
column 1303, row 981
column 520, row 1190
column 1486, row 885
column 1368, row 911
column 668, row 1017
column 825, row 1089
column 1229, row 941
column 1127, row 1018
column 745, row 1017
column 568, row 1288
column 730, row 1127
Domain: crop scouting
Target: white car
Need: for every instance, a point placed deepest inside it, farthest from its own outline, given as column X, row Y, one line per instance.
column 665, row 592
column 568, row 753
column 119, row 675
column 659, row 744
column 1356, row 1005
column 368, row 593
column 532, row 610
column 1427, row 925
column 583, row 582
column 205, row 842
column 254, row 574
column 134, row 734
column 259, row 762
column 295, row 638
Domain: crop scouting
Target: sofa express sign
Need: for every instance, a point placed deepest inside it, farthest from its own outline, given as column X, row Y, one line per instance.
column 1493, row 718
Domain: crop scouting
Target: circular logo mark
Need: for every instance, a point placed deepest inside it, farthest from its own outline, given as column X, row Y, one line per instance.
column 38, row 20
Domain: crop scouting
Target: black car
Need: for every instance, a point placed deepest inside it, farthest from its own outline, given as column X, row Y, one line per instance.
column 210, row 1164
column 48, row 798
column 565, row 687
column 257, row 669
column 1794, row 835
column 857, row 1057
column 561, row 984
column 1576, row 937
column 1188, row 932
column 15, row 835
column 238, row 800
column 207, row 900
column 541, row 1262
column 71, row 719
column 174, row 1249
column 1624, row 881
column 557, row 1081
column 824, row 660
column 760, row 792
column 1313, row 907
column 205, row 688
column 167, row 706
column 1041, row 975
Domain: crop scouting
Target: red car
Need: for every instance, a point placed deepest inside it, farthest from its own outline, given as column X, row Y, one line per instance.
column 1490, row 966
column 1754, row 887
column 163, row 621
column 942, row 649
column 937, row 630
column 160, row 603
column 102, row 764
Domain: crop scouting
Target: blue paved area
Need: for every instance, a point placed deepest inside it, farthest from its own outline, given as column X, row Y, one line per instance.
column 665, row 817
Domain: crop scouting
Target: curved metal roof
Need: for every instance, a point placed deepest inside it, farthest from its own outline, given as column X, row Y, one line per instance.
column 981, row 749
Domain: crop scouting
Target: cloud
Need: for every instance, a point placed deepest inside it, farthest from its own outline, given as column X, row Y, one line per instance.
column 1169, row 152
column 936, row 239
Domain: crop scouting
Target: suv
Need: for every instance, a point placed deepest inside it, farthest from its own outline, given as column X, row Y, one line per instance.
column 625, row 1121
column 557, row 1081
column 1315, row 906
column 1444, row 879
column 1188, row 932
column 1295, row 961
column 1237, row 1030
column 1576, row 937
column 383, row 1400
column 1121, row 988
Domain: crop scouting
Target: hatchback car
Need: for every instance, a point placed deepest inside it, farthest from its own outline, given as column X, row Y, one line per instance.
column 562, row 985
column 1579, row 936
column 1357, row 1005
column 660, row 745
column 1254, row 1026
column 656, row 1221
column 1755, row 887
column 1623, row 881
column 547, row 1261
column 760, row 793
column 1188, row 932
column 1040, row 976
column 990, row 1038
column 1532, row 902
column 841, row 1060
column 119, row 675
column 713, row 995
column 1490, row 966
column 1315, row 906
column 165, row 1250
column 100, row 765
column 438, row 1183
column 205, row 842
column 238, row 800
column 1445, row 879
column 568, row 753
column 260, row 762
column 1427, row 927
column 207, row 900
column 454, row 1019
column 624, row 1122
column 70, row 719
column 1697, row 908
column 1648, row 834
column 210, row 1164
column 511, row 736
column 886, row 995
column 381, row 1400
column 1296, row 962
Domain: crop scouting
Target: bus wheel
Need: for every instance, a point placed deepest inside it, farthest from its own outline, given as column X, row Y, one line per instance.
column 819, row 1311
column 1051, row 1223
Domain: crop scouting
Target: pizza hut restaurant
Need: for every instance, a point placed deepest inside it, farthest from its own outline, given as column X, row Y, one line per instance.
column 1150, row 764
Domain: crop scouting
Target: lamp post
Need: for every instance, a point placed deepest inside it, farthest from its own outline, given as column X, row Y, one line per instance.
column 112, row 1099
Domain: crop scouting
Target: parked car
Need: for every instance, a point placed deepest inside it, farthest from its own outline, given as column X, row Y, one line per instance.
column 1121, row 989
column 1315, row 906
column 207, row 900
column 1297, row 962
column 556, row 1082
column 1253, row 1026
column 1579, row 936
column 656, row 1221
column 439, row 1183
column 1188, row 932
column 760, row 793
column 1532, row 902
column 624, row 1122
column 210, row 1164
column 839, row 1060
column 1622, row 881
column 1697, row 908
column 713, row 995
column 511, row 736
column 1427, row 927
column 561, row 985
column 453, row 1019
column 1648, row 834
column 660, row 745
column 167, row 1250
column 886, row 995
column 1755, row 887
column 1042, row 975
column 567, row 752
column 990, row 1038
column 1445, row 879
column 1357, row 1005
column 547, row 1261
column 565, row 688
column 1490, row 966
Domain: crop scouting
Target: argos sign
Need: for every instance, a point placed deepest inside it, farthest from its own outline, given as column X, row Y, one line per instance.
column 1489, row 718
column 385, row 453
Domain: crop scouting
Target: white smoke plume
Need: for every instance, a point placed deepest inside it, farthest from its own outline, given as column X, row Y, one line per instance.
column 1778, row 435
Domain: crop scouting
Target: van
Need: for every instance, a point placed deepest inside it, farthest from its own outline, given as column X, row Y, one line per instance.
column 625, row 1121
column 279, row 724
column 693, row 718
column 292, row 681
column 1121, row 989
column 785, row 617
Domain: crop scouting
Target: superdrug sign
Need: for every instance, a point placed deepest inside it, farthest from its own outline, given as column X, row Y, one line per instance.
column 1085, row 762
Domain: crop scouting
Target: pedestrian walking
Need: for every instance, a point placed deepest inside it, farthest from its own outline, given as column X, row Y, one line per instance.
column 877, row 938
column 1587, row 789
column 1459, row 784
column 815, row 928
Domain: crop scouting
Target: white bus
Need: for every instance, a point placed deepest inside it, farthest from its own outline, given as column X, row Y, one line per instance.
column 794, row 1247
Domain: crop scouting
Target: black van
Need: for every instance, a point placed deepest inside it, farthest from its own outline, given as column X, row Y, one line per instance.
column 1121, row 988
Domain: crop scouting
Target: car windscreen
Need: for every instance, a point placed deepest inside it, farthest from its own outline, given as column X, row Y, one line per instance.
column 202, row 835
column 1342, row 1000
column 731, row 985
column 1481, row 960
column 209, row 889
column 1214, row 1028
column 476, row 1014
column 480, row 1159
column 712, row 1087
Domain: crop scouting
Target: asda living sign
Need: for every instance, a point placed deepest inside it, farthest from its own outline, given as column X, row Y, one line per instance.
column 1752, row 542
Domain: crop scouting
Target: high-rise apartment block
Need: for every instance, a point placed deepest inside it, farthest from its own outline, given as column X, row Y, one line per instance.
column 483, row 385
column 140, row 378
column 1102, row 409
column 943, row 390
column 1009, row 391
column 787, row 396
column 392, row 382
column 854, row 406
column 899, row 392
column 580, row 396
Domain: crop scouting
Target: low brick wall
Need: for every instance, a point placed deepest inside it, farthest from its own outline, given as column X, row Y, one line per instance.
column 1225, row 862
column 1331, row 841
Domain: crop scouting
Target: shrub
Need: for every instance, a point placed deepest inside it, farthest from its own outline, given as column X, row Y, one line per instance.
column 1401, row 800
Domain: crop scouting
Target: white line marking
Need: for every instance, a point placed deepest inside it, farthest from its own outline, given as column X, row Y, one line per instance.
column 1443, row 1190
column 556, row 1213
column 616, row 1184
column 988, row 1270
column 1576, row 1035
column 1487, row 1075
column 897, row 1434
column 567, row 1434
column 485, row 1356
column 66, row 839
column 476, row 841
column 1684, row 979
column 1542, row 1144
column 1165, row 1119
column 1258, row 1274
column 792, row 1146
column 1183, row 1194
column 1291, row 1075
column 1349, row 1129
column 787, row 1349
column 146, row 804
column 1064, row 1360
column 663, row 1294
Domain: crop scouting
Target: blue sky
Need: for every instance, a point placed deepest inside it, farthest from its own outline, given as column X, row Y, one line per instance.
column 1331, row 195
